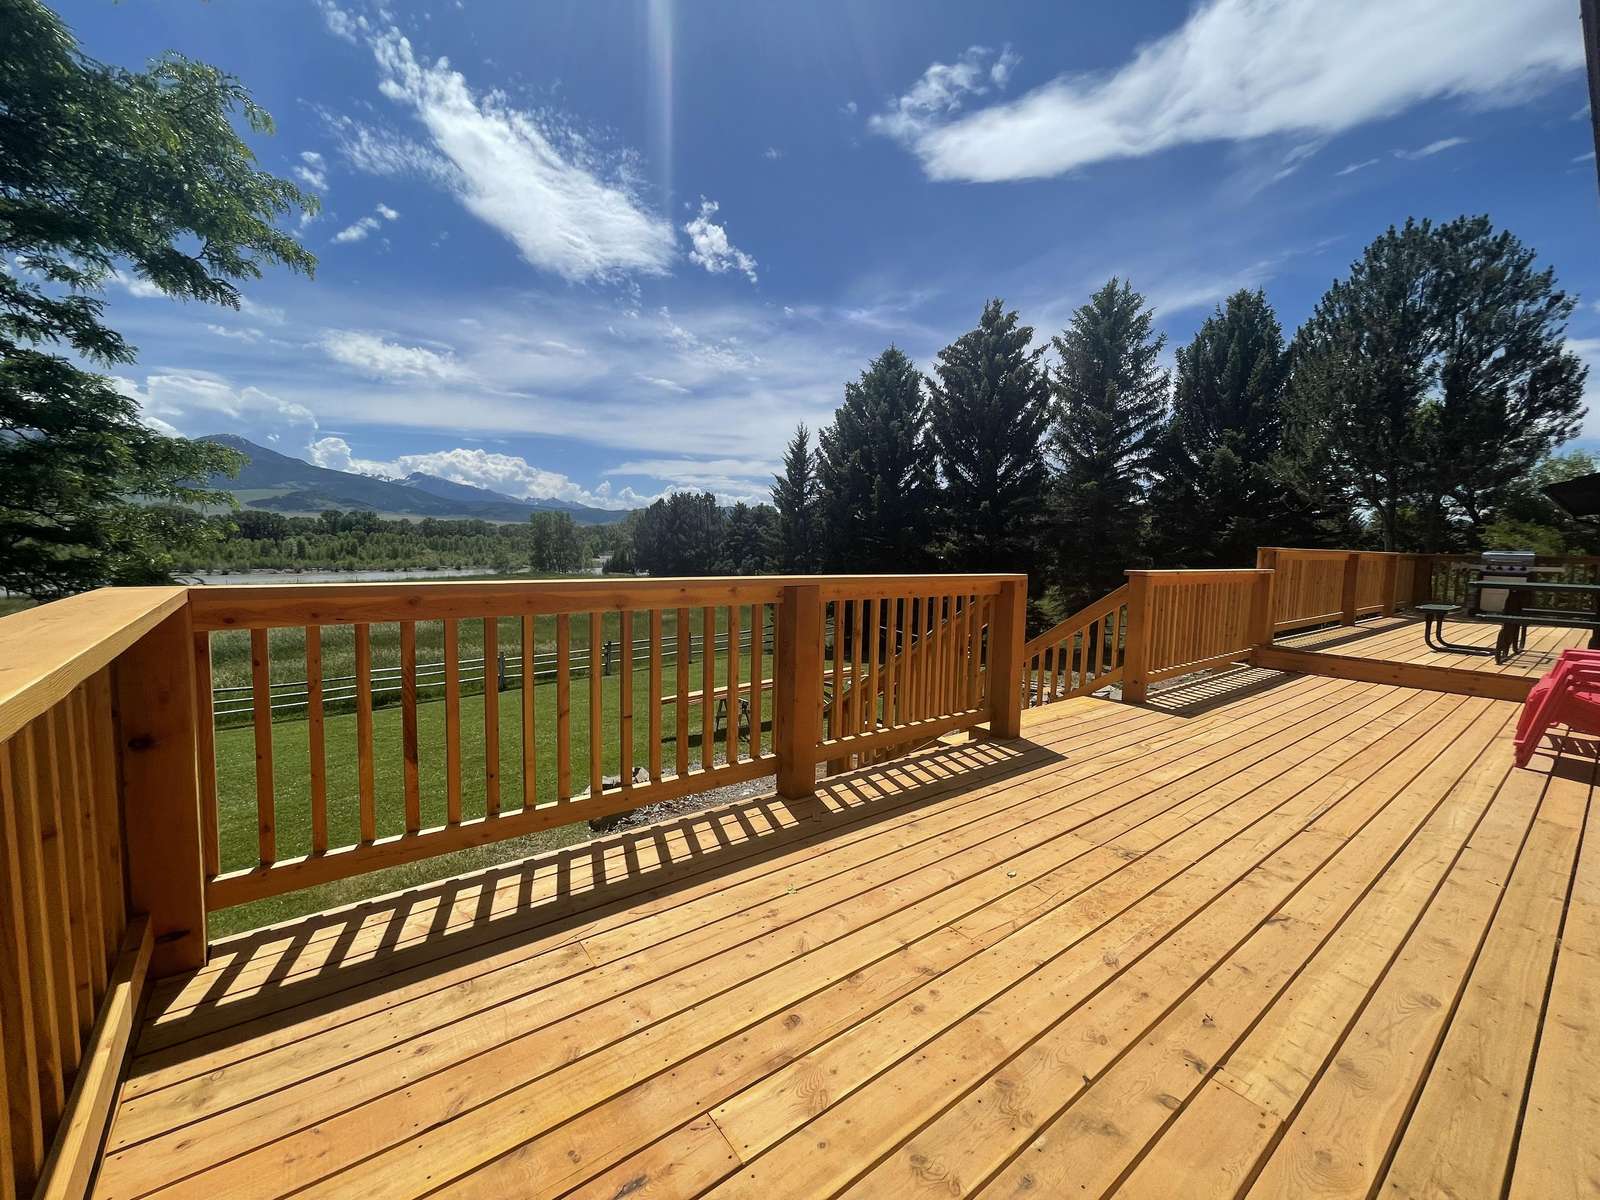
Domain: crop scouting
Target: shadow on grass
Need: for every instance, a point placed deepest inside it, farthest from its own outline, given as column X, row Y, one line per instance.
column 319, row 968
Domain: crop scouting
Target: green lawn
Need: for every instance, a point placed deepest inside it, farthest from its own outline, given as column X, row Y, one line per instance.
column 236, row 776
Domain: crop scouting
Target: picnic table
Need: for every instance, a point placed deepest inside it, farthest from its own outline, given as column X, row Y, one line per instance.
column 1516, row 616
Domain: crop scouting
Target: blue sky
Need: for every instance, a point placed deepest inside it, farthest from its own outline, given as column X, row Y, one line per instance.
column 603, row 249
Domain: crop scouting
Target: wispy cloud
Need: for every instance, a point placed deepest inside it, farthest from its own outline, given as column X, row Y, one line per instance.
column 312, row 170
column 1357, row 166
column 1432, row 148
column 358, row 231
column 943, row 90
column 524, row 174
column 375, row 356
column 1238, row 70
column 710, row 248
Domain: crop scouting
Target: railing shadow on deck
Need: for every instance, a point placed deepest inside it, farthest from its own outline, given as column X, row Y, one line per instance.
column 599, row 878
column 1195, row 695
column 1329, row 636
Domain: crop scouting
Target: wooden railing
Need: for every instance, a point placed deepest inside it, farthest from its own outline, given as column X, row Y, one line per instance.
column 1323, row 587
column 895, row 660
column 1078, row 655
column 97, row 796
column 1180, row 622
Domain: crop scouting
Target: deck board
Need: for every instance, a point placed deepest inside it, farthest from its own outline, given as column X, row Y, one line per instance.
column 1399, row 639
column 1266, row 934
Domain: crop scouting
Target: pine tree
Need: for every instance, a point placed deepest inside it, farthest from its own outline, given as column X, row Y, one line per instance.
column 1221, row 487
column 795, row 496
column 989, row 411
column 876, row 469
column 1110, row 394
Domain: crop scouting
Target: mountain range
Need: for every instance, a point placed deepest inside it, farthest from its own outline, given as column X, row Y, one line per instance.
column 282, row 483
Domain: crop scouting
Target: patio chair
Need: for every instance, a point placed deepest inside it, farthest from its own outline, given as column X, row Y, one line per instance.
column 1569, row 695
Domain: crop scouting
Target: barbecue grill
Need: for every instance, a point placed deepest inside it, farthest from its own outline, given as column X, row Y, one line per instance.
column 1502, row 564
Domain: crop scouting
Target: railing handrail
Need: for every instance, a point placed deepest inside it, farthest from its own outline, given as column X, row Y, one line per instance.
column 1100, row 607
column 47, row 651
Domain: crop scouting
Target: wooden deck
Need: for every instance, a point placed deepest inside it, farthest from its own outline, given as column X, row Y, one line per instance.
column 1399, row 639
column 1267, row 935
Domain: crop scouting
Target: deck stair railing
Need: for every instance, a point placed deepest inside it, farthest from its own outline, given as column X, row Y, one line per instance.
column 1079, row 655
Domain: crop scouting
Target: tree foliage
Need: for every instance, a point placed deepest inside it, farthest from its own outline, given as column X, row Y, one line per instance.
column 989, row 410
column 105, row 170
column 555, row 544
column 795, row 496
column 1434, row 376
column 1222, row 487
column 876, row 469
column 1110, row 395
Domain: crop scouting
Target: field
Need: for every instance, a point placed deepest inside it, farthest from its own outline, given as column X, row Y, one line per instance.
column 236, row 757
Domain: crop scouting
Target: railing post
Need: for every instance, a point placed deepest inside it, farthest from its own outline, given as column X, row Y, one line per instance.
column 797, row 689
column 1391, row 569
column 1267, row 560
column 1421, row 579
column 1135, row 653
column 1262, row 624
column 1007, row 635
column 157, row 748
column 1347, row 600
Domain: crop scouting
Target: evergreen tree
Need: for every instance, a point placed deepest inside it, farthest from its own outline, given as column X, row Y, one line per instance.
column 101, row 166
column 1221, row 486
column 751, row 544
column 795, row 496
column 681, row 534
column 1110, row 396
column 876, row 470
column 989, row 410
column 1435, row 376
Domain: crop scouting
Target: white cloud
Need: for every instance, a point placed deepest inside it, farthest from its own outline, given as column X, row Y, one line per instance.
column 241, row 335
column 665, row 384
column 1588, row 349
column 710, row 247
column 772, row 153
column 139, row 289
column 357, row 232
column 261, row 312
column 378, row 151
column 1357, row 166
column 1432, row 148
column 508, row 474
column 536, row 181
column 340, row 23
column 373, row 355
column 312, row 171
column 198, row 402
column 1589, row 157
column 944, row 90
column 1238, row 70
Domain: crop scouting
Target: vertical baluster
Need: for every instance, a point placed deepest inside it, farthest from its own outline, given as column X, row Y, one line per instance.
column 891, row 651
column 680, row 703
column 81, row 817
column 366, row 773
column 970, row 666
column 655, row 695
column 37, row 761
column 708, row 688
column 25, row 1072
column 452, row 722
column 491, row 716
column 103, row 764
column 874, row 674
column 316, row 735
column 836, row 708
column 410, row 751
column 625, row 705
column 563, row 706
column 858, row 671
column 596, row 666
column 530, row 747
column 936, row 675
column 261, row 714
column 205, row 731
column 910, row 651
column 730, row 732
column 758, row 621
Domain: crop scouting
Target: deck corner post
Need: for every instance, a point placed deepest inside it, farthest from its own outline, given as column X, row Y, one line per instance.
column 1262, row 623
column 1347, row 598
column 157, row 751
column 1007, row 636
column 1134, row 655
column 797, row 689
